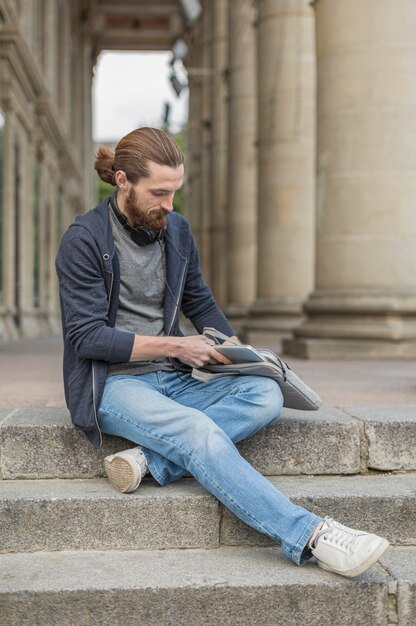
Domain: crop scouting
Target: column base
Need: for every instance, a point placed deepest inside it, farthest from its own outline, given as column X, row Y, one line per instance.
column 349, row 349
column 8, row 329
column 272, row 321
column 55, row 325
column 354, row 325
column 33, row 323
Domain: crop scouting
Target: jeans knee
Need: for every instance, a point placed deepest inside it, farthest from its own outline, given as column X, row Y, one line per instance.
column 271, row 400
column 203, row 437
column 210, row 446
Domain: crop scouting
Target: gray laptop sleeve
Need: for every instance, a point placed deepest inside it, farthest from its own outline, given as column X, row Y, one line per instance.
column 296, row 393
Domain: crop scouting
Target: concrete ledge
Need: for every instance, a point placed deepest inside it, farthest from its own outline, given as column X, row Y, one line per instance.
column 326, row 441
column 385, row 505
column 90, row 514
column 4, row 413
column 391, row 435
column 227, row 586
column 400, row 563
column 41, row 443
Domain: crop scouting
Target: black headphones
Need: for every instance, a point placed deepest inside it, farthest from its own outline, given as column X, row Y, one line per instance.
column 141, row 235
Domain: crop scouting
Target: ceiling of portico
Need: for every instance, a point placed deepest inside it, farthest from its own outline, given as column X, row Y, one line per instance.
column 143, row 25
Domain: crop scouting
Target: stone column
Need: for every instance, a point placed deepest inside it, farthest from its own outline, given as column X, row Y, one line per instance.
column 66, row 68
column 86, row 104
column 51, row 44
column 49, row 238
column 286, row 169
column 242, row 188
column 8, row 328
column 364, row 305
column 193, row 145
column 205, row 121
column 218, row 186
column 28, row 315
column 44, row 238
column 192, row 158
column 57, row 197
column 77, row 111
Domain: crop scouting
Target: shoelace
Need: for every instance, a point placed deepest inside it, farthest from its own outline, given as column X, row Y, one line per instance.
column 142, row 463
column 338, row 536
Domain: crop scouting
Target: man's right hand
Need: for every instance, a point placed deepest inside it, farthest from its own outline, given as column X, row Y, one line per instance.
column 198, row 350
column 194, row 350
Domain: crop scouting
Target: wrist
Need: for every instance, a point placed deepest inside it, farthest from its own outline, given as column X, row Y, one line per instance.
column 172, row 346
column 148, row 348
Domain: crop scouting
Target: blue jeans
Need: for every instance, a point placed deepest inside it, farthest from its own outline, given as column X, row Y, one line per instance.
column 188, row 426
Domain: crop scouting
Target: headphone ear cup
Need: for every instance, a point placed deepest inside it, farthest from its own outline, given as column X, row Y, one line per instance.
column 141, row 235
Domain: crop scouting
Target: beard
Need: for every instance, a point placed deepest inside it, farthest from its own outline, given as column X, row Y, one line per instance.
column 156, row 219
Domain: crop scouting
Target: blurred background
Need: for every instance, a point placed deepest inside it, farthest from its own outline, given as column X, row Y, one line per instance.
column 298, row 123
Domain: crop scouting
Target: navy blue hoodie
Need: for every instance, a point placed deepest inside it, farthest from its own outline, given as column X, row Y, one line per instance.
column 89, row 285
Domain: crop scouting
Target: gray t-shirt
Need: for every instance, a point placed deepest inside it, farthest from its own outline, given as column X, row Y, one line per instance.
column 142, row 287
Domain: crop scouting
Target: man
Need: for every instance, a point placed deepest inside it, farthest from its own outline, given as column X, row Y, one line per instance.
column 126, row 269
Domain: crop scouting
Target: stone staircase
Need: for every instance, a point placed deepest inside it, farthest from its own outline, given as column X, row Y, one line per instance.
column 76, row 552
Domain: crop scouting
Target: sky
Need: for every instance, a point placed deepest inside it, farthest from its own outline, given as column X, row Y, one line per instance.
column 130, row 90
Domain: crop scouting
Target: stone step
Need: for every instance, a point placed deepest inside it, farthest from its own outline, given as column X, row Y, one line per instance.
column 41, row 443
column 224, row 586
column 90, row 514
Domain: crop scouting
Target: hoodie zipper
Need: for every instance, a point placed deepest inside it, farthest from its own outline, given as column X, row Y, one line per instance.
column 178, row 299
column 93, row 372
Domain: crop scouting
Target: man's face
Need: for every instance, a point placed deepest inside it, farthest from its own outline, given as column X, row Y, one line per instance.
column 148, row 202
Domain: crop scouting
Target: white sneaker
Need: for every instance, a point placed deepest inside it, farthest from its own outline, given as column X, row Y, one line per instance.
column 126, row 469
column 346, row 551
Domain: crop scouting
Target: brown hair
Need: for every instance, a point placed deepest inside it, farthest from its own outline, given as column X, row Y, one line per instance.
column 133, row 153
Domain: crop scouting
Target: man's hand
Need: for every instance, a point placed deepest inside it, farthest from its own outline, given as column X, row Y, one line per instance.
column 195, row 350
column 198, row 350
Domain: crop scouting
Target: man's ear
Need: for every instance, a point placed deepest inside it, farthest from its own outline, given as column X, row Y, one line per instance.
column 121, row 180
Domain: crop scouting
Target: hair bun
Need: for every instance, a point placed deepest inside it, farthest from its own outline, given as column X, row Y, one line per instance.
column 104, row 164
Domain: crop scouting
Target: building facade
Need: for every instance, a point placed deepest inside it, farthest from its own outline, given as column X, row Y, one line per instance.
column 45, row 113
column 301, row 159
column 48, row 50
column 311, row 114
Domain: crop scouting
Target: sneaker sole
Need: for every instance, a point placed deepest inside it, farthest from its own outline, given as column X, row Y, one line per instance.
column 120, row 474
column 356, row 571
